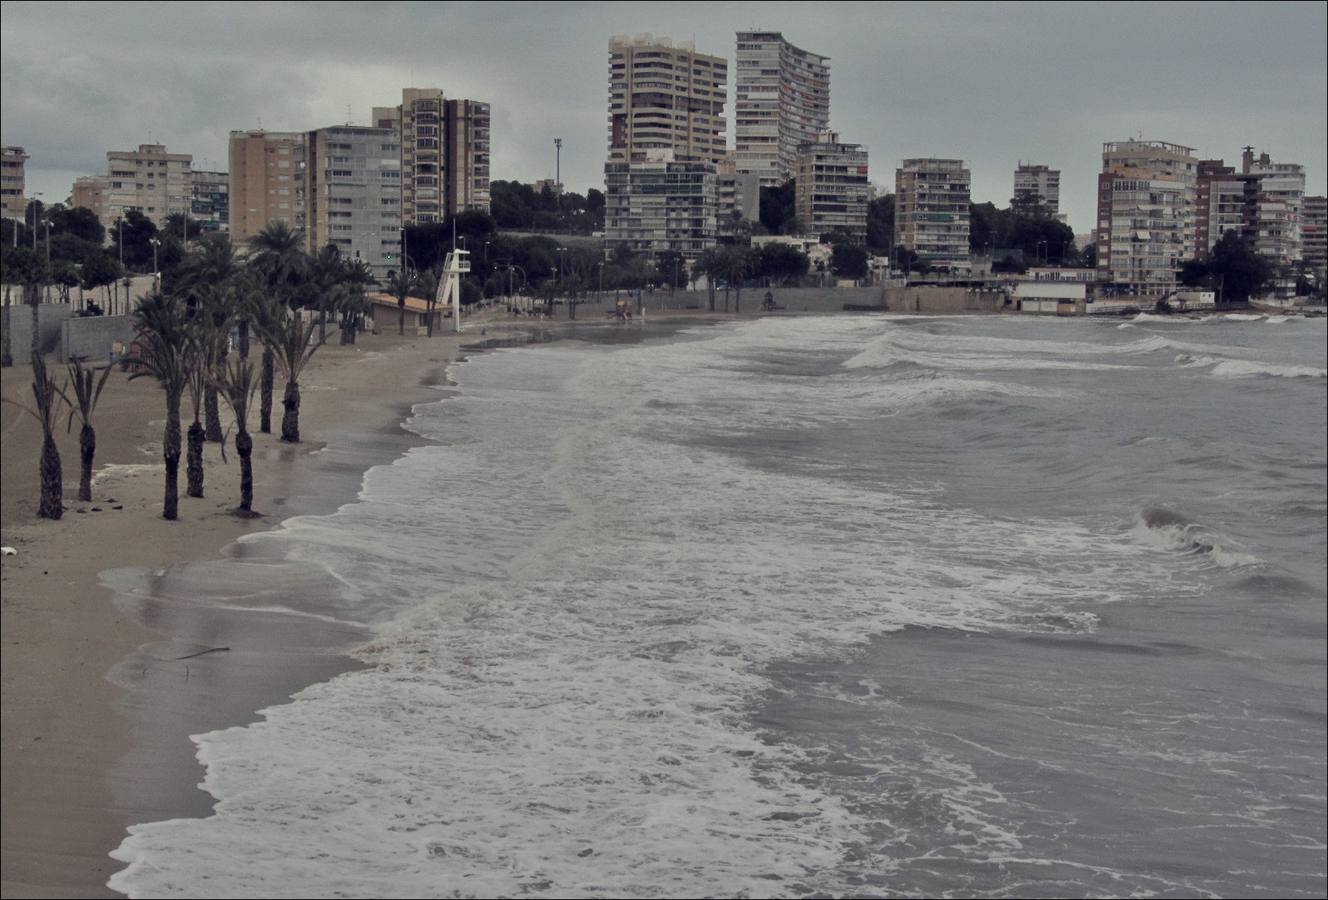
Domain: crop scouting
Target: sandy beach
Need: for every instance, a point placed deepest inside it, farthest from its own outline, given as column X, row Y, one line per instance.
column 84, row 757
column 108, row 664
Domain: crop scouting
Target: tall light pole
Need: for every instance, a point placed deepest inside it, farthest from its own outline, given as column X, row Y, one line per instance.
column 156, row 275
column 34, row 204
column 557, row 162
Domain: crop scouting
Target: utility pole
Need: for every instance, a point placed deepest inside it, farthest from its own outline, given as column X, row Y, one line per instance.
column 557, row 163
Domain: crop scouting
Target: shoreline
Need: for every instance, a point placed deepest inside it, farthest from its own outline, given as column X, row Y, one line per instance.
column 98, row 703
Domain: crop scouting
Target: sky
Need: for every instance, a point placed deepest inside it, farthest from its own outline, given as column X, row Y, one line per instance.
column 992, row 84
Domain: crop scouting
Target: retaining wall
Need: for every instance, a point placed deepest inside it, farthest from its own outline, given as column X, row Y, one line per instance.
column 94, row 337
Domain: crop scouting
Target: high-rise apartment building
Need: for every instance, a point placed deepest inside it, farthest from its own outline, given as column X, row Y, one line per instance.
column 353, row 194
column 666, row 137
column 267, row 171
column 89, row 192
column 13, row 199
column 1275, row 194
column 932, row 199
column 1219, row 204
column 1314, row 235
column 420, row 118
column 466, row 156
column 660, row 205
column 1145, row 214
column 444, row 153
column 665, row 97
column 150, row 180
column 1039, row 185
column 832, row 186
column 783, row 102
column 210, row 205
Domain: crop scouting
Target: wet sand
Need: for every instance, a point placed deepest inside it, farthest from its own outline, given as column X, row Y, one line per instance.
column 111, row 624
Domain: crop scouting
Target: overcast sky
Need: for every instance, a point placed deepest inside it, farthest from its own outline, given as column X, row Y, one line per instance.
column 992, row 84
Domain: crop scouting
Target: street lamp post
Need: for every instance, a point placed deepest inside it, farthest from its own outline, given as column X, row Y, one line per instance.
column 156, row 275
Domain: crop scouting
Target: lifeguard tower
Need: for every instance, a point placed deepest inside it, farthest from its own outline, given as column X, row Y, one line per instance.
column 449, row 286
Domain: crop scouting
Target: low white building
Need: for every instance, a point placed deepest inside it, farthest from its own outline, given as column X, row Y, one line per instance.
column 1049, row 297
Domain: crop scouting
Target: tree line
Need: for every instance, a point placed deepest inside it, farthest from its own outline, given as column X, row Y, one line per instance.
column 279, row 297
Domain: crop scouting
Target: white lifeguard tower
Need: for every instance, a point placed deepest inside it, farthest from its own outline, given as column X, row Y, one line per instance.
column 449, row 286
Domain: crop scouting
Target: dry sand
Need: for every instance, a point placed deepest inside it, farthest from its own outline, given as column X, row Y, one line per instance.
column 83, row 759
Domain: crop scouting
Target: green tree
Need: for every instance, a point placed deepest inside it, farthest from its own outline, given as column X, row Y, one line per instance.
column 778, row 208
column 137, row 232
column 237, row 384
column 881, row 222
column 849, row 261
column 1233, row 268
column 161, row 326
column 781, row 264
column 87, row 391
column 47, row 397
column 282, row 266
column 292, row 341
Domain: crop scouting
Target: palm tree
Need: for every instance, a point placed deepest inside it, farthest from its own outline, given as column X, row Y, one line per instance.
column 291, row 340
column 237, row 386
column 399, row 284
column 87, row 391
column 325, row 274
column 205, row 280
column 205, row 345
column 737, row 264
column 160, row 323
column 281, row 264
column 352, row 302
column 47, row 397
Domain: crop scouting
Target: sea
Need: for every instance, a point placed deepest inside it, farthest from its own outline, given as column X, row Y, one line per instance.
column 812, row 606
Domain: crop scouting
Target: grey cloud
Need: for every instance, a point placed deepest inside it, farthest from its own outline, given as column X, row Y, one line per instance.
column 990, row 83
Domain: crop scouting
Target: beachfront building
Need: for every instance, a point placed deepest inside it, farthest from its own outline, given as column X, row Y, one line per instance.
column 150, row 180
column 1145, row 214
column 932, row 211
column 782, row 102
column 444, row 153
column 832, row 187
column 13, row 199
column 210, row 206
column 660, row 204
column 738, row 201
column 266, row 182
column 664, row 96
column 1314, row 235
column 666, row 139
column 353, row 194
column 1275, row 194
column 1219, row 204
column 1038, row 186
column 466, row 156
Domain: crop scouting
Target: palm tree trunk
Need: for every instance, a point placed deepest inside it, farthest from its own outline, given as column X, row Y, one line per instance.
column 52, row 487
column 244, row 339
column 194, row 460
column 290, row 420
column 212, row 416
column 244, row 448
column 170, row 451
column 401, row 318
column 265, row 392
column 87, row 445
